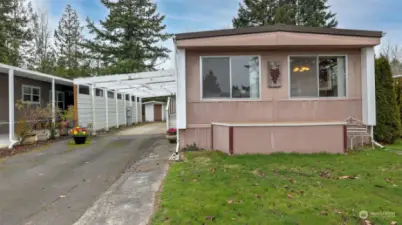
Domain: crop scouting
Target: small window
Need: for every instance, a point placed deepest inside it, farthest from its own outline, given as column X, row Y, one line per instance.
column 127, row 97
column 99, row 92
column 133, row 98
column 230, row 77
column 110, row 94
column 59, row 97
column 118, row 96
column 318, row 76
column 84, row 90
column 138, row 99
column 31, row 94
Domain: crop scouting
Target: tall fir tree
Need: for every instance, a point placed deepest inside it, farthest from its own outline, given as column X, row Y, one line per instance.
column 68, row 40
column 14, row 30
column 314, row 13
column 127, row 41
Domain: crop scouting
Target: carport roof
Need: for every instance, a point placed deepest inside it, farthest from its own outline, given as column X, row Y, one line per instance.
column 34, row 75
column 143, row 84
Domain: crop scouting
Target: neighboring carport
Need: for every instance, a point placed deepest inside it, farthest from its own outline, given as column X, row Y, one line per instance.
column 109, row 101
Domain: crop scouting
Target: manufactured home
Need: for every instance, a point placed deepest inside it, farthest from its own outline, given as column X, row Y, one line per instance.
column 274, row 88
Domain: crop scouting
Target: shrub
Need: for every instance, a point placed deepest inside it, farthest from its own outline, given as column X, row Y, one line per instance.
column 388, row 125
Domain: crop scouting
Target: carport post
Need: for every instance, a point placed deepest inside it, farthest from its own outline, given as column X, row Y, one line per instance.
column 136, row 109
column 107, row 108
column 53, row 103
column 125, row 109
column 140, row 110
column 117, row 109
column 93, row 109
column 130, row 97
column 11, row 105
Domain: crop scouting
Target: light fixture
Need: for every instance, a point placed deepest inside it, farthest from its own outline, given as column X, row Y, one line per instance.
column 296, row 69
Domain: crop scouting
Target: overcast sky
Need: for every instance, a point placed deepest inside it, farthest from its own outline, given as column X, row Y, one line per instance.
column 196, row 15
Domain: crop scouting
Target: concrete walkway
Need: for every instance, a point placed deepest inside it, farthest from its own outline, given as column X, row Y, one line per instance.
column 58, row 184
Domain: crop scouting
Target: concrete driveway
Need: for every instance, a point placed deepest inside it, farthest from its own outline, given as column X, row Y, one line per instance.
column 57, row 185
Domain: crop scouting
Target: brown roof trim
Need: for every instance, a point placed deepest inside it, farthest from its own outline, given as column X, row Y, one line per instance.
column 276, row 28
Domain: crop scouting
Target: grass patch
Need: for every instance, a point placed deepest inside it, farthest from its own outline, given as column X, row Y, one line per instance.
column 213, row 188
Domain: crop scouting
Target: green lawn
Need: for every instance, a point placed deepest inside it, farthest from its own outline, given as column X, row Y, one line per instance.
column 213, row 188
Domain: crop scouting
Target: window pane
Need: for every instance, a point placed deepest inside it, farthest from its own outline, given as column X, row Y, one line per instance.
column 215, row 78
column 303, row 77
column 245, row 77
column 110, row 94
column 118, row 96
column 35, row 98
column 26, row 98
column 332, row 76
column 35, row 91
column 84, row 90
column 60, row 96
column 127, row 97
column 132, row 98
column 99, row 92
column 26, row 90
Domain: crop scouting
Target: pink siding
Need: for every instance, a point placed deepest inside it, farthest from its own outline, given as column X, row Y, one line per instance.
column 200, row 136
column 275, row 104
column 279, row 39
column 221, row 138
column 301, row 139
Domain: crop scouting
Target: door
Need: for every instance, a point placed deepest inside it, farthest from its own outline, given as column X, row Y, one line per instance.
column 157, row 112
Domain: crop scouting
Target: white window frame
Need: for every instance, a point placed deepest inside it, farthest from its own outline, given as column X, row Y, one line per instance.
column 230, row 79
column 55, row 96
column 31, row 94
column 318, row 83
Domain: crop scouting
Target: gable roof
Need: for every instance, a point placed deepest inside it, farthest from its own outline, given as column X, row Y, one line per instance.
column 279, row 28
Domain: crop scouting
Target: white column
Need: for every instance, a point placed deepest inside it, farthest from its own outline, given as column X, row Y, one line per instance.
column 117, row 109
column 131, row 108
column 125, row 108
column 11, row 105
column 53, row 102
column 341, row 76
column 181, row 119
column 93, row 109
column 368, row 86
column 140, row 109
column 136, row 109
column 106, row 108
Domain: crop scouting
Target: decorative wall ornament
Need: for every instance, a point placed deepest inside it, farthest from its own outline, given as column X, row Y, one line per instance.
column 274, row 74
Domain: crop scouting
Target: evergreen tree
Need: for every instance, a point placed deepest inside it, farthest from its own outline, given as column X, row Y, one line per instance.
column 388, row 125
column 127, row 40
column 314, row 13
column 14, row 31
column 68, row 39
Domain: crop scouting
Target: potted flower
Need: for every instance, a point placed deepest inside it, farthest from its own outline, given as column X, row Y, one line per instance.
column 79, row 134
column 171, row 135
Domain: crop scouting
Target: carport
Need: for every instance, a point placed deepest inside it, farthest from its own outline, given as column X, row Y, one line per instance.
column 109, row 101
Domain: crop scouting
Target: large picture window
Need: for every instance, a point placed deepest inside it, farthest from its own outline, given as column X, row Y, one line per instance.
column 231, row 77
column 31, row 94
column 317, row 76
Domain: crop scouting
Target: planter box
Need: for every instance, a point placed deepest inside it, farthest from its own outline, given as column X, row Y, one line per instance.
column 80, row 140
column 171, row 138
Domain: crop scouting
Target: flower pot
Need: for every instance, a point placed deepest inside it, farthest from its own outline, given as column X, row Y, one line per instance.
column 80, row 140
column 172, row 138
